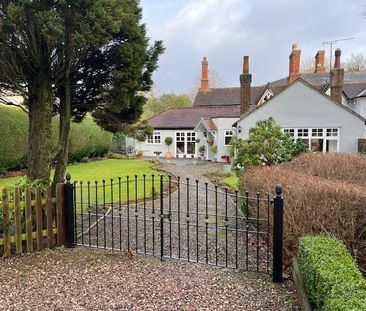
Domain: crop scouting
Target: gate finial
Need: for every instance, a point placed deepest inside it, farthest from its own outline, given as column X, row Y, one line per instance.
column 279, row 190
column 68, row 178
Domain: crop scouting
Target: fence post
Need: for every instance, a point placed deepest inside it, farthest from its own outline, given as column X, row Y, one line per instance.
column 278, row 236
column 69, row 212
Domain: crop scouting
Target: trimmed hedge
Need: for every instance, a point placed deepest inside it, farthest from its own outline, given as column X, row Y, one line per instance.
column 86, row 139
column 331, row 276
column 14, row 133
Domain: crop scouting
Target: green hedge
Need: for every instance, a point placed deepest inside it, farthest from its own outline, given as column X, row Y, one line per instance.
column 331, row 276
column 86, row 139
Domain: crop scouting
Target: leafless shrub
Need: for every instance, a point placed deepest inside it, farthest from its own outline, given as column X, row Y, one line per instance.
column 324, row 193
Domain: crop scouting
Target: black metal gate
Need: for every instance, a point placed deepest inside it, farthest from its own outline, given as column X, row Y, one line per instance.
column 172, row 217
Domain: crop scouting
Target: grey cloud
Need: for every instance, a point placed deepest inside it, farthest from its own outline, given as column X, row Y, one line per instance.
column 226, row 30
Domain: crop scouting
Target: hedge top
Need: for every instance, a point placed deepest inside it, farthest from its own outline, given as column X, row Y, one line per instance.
column 331, row 276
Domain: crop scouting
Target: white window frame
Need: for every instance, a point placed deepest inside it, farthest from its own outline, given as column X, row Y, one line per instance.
column 228, row 135
column 154, row 138
column 185, row 137
column 316, row 133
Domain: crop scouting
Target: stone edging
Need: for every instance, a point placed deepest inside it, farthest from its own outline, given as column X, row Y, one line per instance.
column 301, row 293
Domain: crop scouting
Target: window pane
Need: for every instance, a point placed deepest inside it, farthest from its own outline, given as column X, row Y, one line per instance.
column 191, row 148
column 290, row 132
column 180, row 147
column 303, row 132
column 317, row 132
column 331, row 145
column 228, row 136
column 316, row 145
column 332, row 132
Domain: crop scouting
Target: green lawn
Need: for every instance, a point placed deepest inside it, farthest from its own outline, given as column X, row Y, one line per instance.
column 106, row 170
column 232, row 181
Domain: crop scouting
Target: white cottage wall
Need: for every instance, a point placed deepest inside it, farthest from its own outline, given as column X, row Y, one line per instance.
column 149, row 149
column 223, row 125
column 300, row 106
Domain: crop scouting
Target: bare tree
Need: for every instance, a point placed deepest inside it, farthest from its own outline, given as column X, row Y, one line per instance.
column 356, row 62
column 308, row 65
column 214, row 81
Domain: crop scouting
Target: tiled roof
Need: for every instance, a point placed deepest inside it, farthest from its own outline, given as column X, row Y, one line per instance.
column 187, row 118
column 225, row 102
column 354, row 82
column 225, row 96
column 210, row 123
column 353, row 90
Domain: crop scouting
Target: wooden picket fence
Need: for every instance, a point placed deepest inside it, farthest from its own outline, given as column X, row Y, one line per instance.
column 31, row 221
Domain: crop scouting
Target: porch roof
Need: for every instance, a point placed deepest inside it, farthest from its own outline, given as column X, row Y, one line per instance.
column 207, row 123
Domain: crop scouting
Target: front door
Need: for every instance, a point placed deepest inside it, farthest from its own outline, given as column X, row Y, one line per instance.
column 185, row 143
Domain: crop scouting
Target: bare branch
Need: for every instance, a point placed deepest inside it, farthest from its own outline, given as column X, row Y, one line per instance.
column 10, row 103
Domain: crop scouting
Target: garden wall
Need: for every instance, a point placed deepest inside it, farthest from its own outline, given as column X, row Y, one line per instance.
column 324, row 193
column 86, row 139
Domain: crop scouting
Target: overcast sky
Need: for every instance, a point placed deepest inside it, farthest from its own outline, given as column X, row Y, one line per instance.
column 225, row 30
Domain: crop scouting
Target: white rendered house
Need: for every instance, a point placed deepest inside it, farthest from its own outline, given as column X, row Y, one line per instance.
column 333, row 120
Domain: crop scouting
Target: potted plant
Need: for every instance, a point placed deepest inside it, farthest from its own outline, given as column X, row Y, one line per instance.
column 202, row 150
column 214, row 150
column 198, row 140
column 139, row 154
column 210, row 141
column 168, row 142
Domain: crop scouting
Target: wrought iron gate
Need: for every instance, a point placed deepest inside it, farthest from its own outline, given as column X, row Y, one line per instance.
column 178, row 218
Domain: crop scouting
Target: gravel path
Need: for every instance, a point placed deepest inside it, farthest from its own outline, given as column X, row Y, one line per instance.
column 214, row 236
column 86, row 279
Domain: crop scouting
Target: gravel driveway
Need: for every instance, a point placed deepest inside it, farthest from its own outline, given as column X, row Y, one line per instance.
column 86, row 279
column 201, row 227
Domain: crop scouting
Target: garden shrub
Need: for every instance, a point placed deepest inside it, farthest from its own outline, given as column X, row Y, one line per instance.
column 331, row 277
column 14, row 145
column 86, row 139
column 266, row 145
column 317, row 201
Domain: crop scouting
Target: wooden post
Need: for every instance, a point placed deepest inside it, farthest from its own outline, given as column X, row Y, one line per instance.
column 18, row 223
column 50, row 237
column 6, row 235
column 39, row 218
column 28, row 219
column 59, row 214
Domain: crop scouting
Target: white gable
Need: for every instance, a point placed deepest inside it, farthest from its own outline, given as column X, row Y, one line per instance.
column 268, row 94
column 300, row 106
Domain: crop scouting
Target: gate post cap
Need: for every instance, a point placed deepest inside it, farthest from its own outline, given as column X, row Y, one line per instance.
column 279, row 190
column 68, row 178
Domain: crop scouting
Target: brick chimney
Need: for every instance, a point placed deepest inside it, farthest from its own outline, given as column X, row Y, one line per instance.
column 245, row 87
column 337, row 78
column 294, row 69
column 320, row 62
column 204, row 76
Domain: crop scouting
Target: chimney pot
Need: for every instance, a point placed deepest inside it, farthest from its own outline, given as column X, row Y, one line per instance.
column 204, row 75
column 246, row 64
column 294, row 68
column 337, row 61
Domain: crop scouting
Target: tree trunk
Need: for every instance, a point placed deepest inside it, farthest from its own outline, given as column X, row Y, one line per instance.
column 64, row 133
column 65, row 101
column 40, row 130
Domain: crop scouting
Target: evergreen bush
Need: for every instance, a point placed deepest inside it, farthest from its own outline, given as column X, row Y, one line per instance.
column 87, row 139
